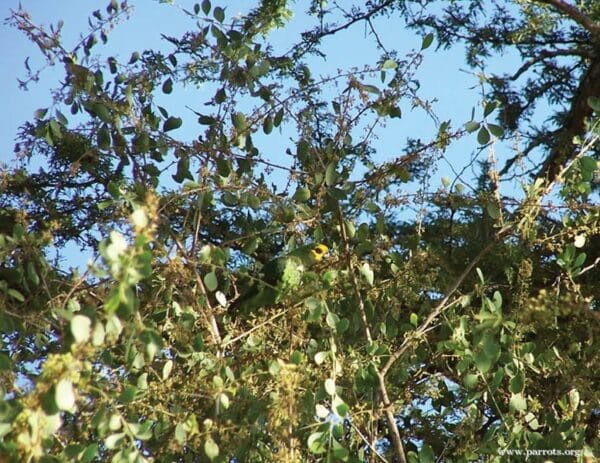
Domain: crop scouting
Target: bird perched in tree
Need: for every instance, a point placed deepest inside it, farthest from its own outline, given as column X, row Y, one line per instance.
column 279, row 276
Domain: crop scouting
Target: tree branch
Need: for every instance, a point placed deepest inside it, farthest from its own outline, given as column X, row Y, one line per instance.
column 443, row 305
column 312, row 39
column 545, row 54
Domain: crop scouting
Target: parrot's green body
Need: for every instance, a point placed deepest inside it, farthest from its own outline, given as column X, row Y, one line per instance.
column 278, row 276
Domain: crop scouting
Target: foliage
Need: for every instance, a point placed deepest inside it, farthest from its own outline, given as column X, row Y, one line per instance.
column 453, row 334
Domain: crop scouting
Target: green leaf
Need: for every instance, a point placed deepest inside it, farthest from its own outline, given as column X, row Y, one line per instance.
column 167, row 86
column 342, row 325
column 371, row 89
column 594, row 103
column 143, row 431
column 574, row 399
column 101, row 112
column 320, row 357
column 64, row 395
column 211, row 449
column 268, row 125
column 389, row 64
column 414, row 319
column 206, row 120
column 394, row 112
column 274, row 368
column 490, row 347
column 472, row 126
column 489, row 107
column 579, row 260
column 426, row 454
column 239, row 121
column 141, row 143
column 40, row 113
column 206, row 6
column 296, row 357
column 103, row 138
column 128, row 394
column 331, row 174
column 350, row 228
column 493, row 210
column 278, row 118
column 89, row 453
column 317, row 443
column 172, row 123
column 321, row 411
column 301, row 195
column 16, row 295
column 329, row 386
column 496, row 130
column 211, row 282
column 518, row 403
column 427, row 41
column 588, row 163
column 113, row 440
column 55, row 129
column 81, row 328
column 532, row 421
column 114, row 327
column 48, row 402
column 219, row 14
column 340, row 407
column 5, row 362
column 517, row 383
column 367, row 273
column 483, row 362
column 483, row 136
column 180, row 433
column 470, row 381
column 183, row 170
column 332, row 320
column 32, row 274
column 167, row 369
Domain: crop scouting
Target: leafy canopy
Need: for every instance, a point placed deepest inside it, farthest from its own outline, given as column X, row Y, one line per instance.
column 452, row 322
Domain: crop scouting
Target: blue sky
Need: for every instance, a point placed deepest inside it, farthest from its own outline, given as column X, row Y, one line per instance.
column 440, row 73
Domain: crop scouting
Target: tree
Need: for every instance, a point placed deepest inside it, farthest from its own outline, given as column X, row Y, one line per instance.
column 458, row 333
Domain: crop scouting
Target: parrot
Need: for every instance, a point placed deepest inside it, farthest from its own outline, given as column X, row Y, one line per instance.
column 278, row 276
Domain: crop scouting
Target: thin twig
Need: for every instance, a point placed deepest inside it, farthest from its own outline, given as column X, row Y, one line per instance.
column 210, row 318
column 256, row 327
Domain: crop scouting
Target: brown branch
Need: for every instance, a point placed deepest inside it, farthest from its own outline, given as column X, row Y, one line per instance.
column 545, row 54
column 311, row 41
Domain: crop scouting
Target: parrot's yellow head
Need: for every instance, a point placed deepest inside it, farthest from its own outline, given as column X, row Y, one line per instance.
column 318, row 252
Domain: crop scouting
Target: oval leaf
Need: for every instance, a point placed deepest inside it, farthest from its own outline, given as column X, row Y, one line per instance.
column 211, row 282
column 483, row 136
column 81, row 328
column 211, row 449
column 172, row 123
column 64, row 395
column 427, row 41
